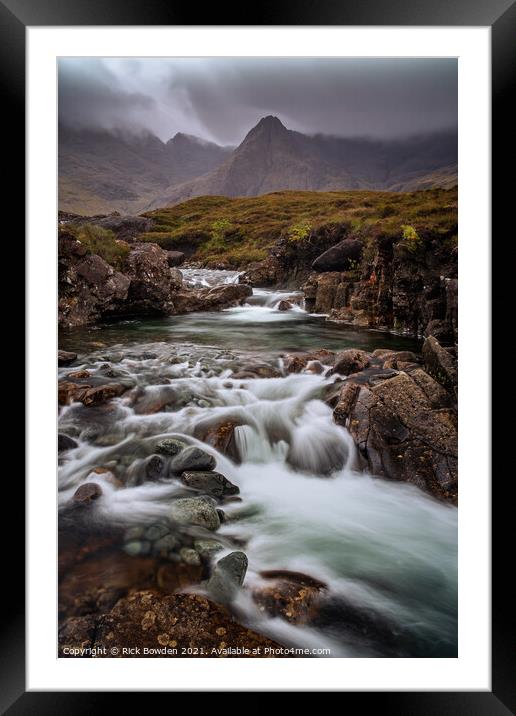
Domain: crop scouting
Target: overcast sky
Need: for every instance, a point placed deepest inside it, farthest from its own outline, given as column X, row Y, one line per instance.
column 221, row 99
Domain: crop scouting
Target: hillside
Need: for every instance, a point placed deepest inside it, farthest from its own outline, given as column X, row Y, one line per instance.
column 102, row 171
column 237, row 231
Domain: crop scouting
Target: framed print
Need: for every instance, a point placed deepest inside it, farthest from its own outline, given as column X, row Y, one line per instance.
column 258, row 290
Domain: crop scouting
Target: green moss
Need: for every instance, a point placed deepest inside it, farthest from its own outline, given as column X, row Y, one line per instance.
column 244, row 229
column 104, row 243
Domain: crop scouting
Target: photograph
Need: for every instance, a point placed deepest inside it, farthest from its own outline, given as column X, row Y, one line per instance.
column 258, row 351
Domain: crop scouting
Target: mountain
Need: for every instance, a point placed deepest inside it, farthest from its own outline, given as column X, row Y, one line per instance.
column 101, row 171
column 273, row 158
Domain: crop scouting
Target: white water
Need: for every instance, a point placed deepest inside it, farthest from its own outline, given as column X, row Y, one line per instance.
column 380, row 546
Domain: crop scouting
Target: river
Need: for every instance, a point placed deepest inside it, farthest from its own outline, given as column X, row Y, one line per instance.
column 387, row 551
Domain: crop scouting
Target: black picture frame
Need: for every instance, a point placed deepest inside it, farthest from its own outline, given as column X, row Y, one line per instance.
column 500, row 15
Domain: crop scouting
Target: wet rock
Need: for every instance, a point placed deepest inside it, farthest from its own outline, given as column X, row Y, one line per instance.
column 189, row 556
column 69, row 392
column 65, row 357
column 215, row 298
column 350, row 361
column 102, row 393
column 137, row 547
column 212, row 483
column 154, row 467
column 291, row 595
column 165, row 545
column 400, row 359
column 227, row 577
column 176, row 278
column 65, row 443
column 192, row 458
column 437, row 395
column 297, row 362
column 150, row 290
column 343, row 256
column 207, row 547
column 175, row 258
column 152, row 400
column 284, row 305
column 87, row 493
column 400, row 435
column 79, row 375
column 440, row 364
column 156, row 531
column 147, row 619
column 195, row 511
column 76, row 633
column 220, row 436
column 170, row 446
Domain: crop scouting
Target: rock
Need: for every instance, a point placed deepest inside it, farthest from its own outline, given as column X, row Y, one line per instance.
column 64, row 442
column 227, row 577
column 156, row 531
column 170, row 446
column 126, row 228
column 69, row 392
column 192, row 458
column 297, row 362
column 102, row 393
column 400, row 359
column 176, row 278
column 343, row 256
column 65, row 357
column 437, row 395
column 79, row 375
column 207, row 547
column 347, row 398
column 284, row 305
column 174, row 622
column 87, row 493
column 290, row 595
column 220, row 436
column 400, row 435
column 154, row 467
column 350, row 361
column 189, row 556
column 137, row 547
column 198, row 511
column 165, row 545
column 440, row 364
column 215, row 298
column 153, row 399
column 175, row 258
column 150, row 290
column 212, row 483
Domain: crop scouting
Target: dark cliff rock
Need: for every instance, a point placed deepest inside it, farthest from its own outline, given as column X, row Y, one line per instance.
column 404, row 423
column 124, row 227
column 382, row 280
column 90, row 289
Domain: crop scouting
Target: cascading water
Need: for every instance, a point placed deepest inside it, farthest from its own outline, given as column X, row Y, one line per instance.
column 386, row 551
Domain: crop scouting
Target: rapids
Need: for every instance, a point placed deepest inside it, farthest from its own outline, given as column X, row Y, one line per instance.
column 387, row 551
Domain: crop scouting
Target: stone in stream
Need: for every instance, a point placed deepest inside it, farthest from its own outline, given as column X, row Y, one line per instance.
column 137, row 548
column 64, row 442
column 156, row 531
column 154, row 467
column 212, row 483
column 102, row 393
column 189, row 556
column 170, row 446
column 88, row 492
column 192, row 458
column 227, row 577
column 290, row 595
column 207, row 547
column 440, row 364
column 284, row 305
column 65, row 357
column 163, row 546
column 198, row 511
column 175, row 258
column 350, row 361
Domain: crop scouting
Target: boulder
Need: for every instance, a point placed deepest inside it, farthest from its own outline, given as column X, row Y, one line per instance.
column 297, row 362
column 65, row 357
column 211, row 483
column 440, row 364
column 192, row 458
column 175, row 258
column 154, row 467
column 290, row 595
column 151, row 280
column 345, row 255
column 284, row 305
column 215, row 298
column 227, row 577
column 401, row 434
column 350, row 361
column 176, row 278
column 64, row 442
column 198, row 511
column 170, row 446
column 220, row 436
column 86, row 493
column 101, row 394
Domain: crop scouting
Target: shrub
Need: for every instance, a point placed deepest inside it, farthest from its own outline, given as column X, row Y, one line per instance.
column 104, row 243
column 299, row 231
column 411, row 238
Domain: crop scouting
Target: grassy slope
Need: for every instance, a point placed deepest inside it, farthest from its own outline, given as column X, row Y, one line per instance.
column 241, row 230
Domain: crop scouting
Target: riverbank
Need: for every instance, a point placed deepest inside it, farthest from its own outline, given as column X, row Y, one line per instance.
column 333, row 556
